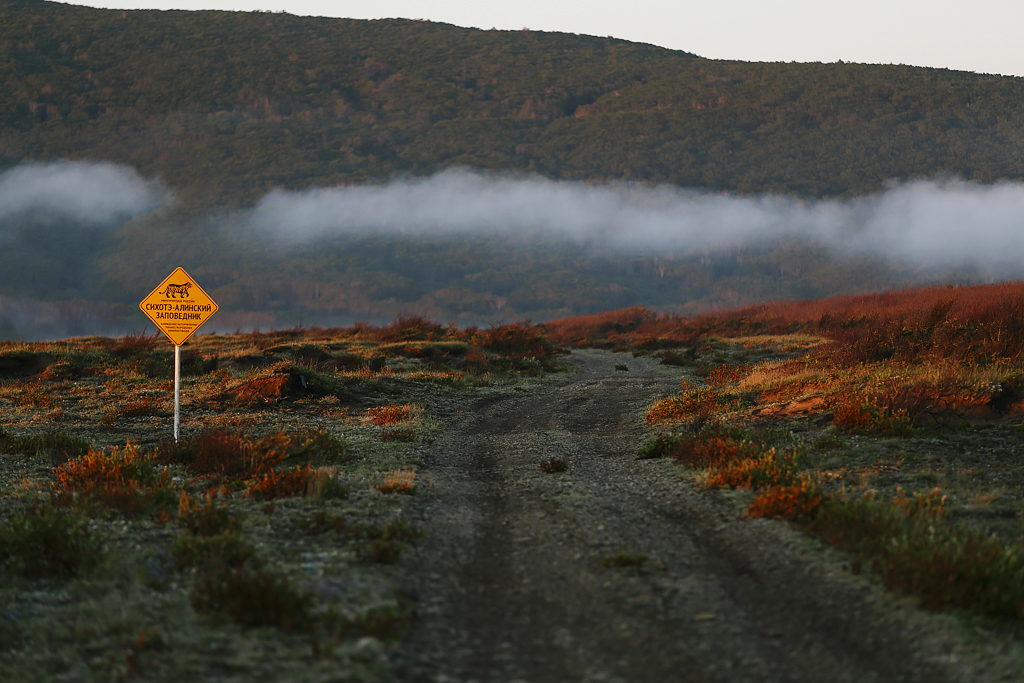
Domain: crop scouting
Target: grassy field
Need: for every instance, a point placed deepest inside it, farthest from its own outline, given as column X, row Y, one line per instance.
column 266, row 543
column 889, row 427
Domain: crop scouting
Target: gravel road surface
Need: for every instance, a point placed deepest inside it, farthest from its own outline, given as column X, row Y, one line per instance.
column 514, row 587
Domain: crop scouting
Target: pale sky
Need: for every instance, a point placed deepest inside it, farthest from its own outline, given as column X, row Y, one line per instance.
column 977, row 35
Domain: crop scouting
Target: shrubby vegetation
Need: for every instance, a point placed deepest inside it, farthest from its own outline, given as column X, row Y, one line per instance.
column 885, row 425
column 298, row 451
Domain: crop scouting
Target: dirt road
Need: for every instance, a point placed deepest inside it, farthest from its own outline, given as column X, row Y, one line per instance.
column 514, row 587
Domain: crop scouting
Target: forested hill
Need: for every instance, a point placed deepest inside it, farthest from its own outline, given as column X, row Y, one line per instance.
column 224, row 105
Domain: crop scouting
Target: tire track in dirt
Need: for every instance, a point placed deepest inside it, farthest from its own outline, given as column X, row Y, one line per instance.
column 513, row 588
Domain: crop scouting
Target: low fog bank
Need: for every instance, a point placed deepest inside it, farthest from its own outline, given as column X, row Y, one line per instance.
column 81, row 244
column 76, row 193
column 924, row 222
column 31, row 320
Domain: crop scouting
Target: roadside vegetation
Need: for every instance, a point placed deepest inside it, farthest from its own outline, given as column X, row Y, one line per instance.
column 888, row 426
column 277, row 525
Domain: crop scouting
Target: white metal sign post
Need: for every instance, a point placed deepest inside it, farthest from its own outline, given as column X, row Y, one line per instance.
column 178, row 307
column 177, row 390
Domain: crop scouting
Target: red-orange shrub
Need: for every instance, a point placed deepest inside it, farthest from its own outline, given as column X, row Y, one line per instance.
column 516, row 341
column 389, row 414
column 120, row 479
column 689, row 404
column 287, row 484
column 726, row 374
column 588, row 330
column 411, row 328
column 982, row 322
column 786, row 502
column 208, row 519
column 752, row 473
column 862, row 415
column 37, row 396
column 853, row 416
column 224, row 453
column 711, row 451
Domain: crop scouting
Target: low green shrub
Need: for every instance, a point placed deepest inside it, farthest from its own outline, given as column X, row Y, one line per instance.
column 251, row 597
column 380, row 550
column 910, row 547
column 662, row 446
column 383, row 544
column 208, row 519
column 58, row 444
column 48, row 542
column 554, row 465
column 229, row 549
column 624, row 559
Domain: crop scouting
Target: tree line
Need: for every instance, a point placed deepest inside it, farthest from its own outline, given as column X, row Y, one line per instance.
column 224, row 105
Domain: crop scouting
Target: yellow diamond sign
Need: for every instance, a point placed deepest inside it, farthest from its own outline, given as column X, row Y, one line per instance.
column 178, row 306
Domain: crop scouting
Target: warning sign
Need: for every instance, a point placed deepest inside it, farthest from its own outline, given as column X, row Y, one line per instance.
column 178, row 306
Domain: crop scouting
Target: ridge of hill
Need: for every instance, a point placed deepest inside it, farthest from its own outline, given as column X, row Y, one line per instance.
column 904, row 319
column 224, row 105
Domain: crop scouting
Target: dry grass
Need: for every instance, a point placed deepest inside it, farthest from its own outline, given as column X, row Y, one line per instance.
column 198, row 518
column 402, row 480
column 940, row 321
column 390, row 414
column 134, row 407
column 907, row 542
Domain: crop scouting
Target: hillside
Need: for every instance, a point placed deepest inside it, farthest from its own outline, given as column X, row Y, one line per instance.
column 223, row 106
column 54, row 293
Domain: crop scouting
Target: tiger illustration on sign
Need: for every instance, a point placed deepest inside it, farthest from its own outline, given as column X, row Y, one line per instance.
column 177, row 289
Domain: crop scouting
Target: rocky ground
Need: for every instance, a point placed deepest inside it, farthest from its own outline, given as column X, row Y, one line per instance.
column 516, row 571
